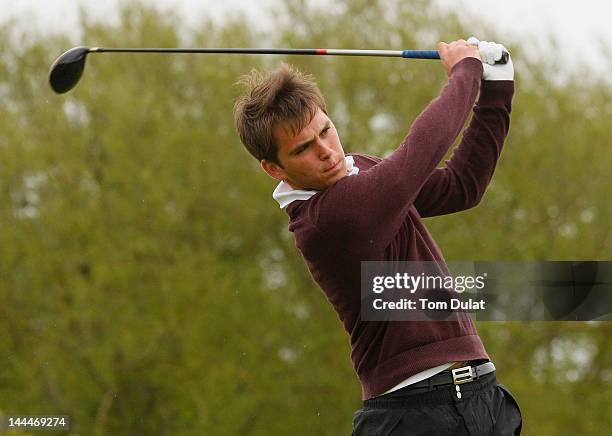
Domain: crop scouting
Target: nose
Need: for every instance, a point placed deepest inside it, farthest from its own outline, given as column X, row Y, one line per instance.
column 325, row 151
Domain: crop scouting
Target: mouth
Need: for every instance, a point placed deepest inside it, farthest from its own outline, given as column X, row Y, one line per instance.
column 333, row 168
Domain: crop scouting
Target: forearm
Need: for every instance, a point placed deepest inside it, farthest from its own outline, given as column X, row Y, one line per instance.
column 431, row 135
column 437, row 127
column 466, row 175
column 475, row 158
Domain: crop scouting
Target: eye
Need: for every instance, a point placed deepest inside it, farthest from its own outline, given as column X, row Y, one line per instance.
column 301, row 149
column 324, row 131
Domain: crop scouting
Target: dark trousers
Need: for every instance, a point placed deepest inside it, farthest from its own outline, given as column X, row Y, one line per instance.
column 485, row 408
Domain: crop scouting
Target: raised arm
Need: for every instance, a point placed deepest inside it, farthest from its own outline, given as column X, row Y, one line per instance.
column 375, row 202
column 461, row 184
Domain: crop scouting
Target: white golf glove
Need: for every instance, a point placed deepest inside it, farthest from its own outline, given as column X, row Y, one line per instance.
column 490, row 52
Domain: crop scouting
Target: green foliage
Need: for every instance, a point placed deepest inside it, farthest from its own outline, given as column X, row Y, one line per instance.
column 148, row 282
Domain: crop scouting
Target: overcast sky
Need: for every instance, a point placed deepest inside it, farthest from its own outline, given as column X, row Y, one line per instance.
column 578, row 26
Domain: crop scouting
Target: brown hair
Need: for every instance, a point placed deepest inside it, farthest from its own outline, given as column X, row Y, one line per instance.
column 282, row 95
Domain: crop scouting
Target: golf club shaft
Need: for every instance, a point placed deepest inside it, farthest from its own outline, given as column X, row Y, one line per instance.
column 67, row 69
column 413, row 54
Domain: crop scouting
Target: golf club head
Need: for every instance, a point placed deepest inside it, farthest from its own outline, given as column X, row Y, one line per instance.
column 67, row 69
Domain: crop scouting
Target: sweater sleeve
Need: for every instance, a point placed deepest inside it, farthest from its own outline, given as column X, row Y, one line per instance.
column 374, row 203
column 462, row 182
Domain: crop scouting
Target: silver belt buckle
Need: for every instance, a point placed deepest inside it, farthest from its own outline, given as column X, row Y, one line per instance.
column 462, row 375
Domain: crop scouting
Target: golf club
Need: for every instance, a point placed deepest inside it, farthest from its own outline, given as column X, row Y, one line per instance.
column 68, row 68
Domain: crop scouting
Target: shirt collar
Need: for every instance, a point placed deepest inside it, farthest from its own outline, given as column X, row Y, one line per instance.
column 284, row 194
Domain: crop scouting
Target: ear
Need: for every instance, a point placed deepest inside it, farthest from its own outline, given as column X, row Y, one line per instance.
column 274, row 170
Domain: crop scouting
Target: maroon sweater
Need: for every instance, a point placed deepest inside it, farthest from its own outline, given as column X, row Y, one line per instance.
column 376, row 215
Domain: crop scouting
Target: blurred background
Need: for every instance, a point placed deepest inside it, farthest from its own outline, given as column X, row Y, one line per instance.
column 148, row 283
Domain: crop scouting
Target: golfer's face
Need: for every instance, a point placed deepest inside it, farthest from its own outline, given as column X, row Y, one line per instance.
column 314, row 158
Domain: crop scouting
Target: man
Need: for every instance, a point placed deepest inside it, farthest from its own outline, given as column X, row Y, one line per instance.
column 347, row 209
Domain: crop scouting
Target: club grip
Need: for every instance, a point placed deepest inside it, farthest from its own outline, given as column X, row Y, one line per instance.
column 504, row 58
column 433, row 54
column 421, row 54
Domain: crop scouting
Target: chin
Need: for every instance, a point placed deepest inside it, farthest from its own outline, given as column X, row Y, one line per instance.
column 334, row 180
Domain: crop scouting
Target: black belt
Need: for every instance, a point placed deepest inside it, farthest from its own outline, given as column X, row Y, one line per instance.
column 456, row 376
